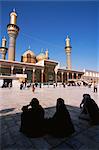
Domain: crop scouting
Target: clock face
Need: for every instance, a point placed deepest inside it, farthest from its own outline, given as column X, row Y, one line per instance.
column 50, row 77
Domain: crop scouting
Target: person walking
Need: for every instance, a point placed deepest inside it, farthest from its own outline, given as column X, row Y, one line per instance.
column 95, row 87
column 33, row 88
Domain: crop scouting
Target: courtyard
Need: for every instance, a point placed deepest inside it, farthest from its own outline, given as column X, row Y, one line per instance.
column 11, row 102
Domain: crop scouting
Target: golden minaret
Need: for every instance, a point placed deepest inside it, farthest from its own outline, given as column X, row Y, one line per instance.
column 3, row 48
column 13, row 30
column 68, row 53
column 46, row 54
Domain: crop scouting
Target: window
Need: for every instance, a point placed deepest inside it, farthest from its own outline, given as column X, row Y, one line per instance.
column 29, row 58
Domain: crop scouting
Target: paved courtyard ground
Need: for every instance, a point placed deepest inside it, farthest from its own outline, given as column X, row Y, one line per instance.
column 11, row 102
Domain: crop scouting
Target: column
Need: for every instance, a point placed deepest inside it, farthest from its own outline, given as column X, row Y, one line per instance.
column 56, row 77
column 67, row 76
column 76, row 75
column 12, row 68
column 42, row 71
column 33, row 76
column 62, row 76
column 23, row 70
column 72, row 75
column 0, row 70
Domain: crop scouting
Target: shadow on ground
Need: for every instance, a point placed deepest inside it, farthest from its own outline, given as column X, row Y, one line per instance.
column 85, row 137
column 4, row 111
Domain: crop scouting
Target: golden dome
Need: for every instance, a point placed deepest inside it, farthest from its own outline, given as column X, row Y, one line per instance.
column 29, row 52
column 41, row 56
column 29, row 57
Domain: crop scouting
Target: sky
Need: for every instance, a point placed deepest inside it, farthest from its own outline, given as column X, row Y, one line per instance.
column 45, row 24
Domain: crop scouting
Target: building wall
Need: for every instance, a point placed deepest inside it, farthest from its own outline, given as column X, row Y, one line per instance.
column 91, row 76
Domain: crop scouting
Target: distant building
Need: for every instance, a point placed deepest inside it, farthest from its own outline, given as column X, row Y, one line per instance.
column 90, row 75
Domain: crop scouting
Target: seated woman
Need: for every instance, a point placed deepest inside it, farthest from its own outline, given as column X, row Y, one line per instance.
column 32, row 119
column 60, row 125
column 90, row 110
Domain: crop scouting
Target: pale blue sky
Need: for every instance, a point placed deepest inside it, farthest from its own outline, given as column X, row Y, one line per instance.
column 46, row 25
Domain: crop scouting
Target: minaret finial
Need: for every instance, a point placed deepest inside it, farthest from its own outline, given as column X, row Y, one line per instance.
column 42, row 50
column 13, row 9
column 4, row 37
column 29, row 47
column 67, row 38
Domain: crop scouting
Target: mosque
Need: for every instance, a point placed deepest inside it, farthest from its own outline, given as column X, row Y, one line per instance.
column 33, row 68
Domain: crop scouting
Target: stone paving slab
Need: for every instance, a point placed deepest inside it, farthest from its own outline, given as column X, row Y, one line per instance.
column 13, row 138
column 11, row 102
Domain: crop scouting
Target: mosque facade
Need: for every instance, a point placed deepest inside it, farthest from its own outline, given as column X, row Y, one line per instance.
column 31, row 67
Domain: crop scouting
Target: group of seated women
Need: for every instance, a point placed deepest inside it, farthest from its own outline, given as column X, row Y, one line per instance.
column 34, row 124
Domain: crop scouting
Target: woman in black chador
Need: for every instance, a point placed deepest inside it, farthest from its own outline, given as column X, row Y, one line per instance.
column 90, row 110
column 32, row 119
column 60, row 125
